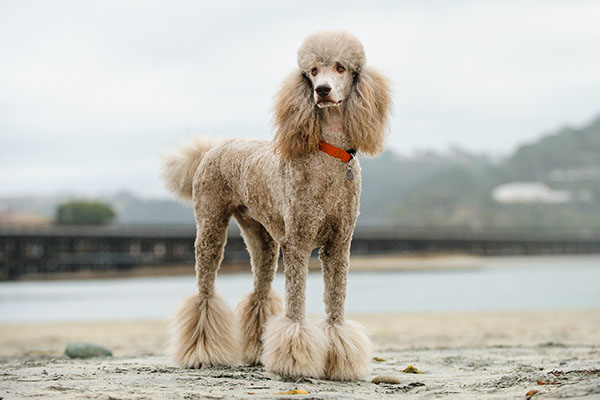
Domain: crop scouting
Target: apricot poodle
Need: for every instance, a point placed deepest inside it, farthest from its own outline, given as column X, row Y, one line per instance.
column 298, row 192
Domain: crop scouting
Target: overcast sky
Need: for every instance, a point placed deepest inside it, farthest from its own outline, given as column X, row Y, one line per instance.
column 91, row 91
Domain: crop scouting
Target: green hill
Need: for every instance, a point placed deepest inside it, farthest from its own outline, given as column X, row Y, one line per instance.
column 453, row 189
column 567, row 149
column 461, row 194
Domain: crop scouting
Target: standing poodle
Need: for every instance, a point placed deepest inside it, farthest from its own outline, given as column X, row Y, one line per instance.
column 296, row 193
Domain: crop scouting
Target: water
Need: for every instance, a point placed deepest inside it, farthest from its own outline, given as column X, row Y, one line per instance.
column 530, row 283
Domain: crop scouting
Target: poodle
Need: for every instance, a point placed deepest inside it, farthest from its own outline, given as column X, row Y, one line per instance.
column 298, row 192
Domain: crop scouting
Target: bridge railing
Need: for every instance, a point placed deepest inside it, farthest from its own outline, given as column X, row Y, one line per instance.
column 70, row 248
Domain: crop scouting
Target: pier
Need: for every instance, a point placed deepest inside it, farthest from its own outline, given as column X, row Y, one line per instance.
column 56, row 249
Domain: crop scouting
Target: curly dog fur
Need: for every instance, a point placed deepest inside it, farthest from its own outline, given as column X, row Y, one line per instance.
column 288, row 195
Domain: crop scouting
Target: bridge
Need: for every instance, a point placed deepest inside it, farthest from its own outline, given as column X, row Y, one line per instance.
column 52, row 249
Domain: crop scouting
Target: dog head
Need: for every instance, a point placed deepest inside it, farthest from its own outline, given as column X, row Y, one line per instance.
column 331, row 61
column 331, row 73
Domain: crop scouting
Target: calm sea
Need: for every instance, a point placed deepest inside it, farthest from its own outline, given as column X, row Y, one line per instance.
column 525, row 283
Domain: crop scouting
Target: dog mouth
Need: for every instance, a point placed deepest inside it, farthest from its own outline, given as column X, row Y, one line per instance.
column 328, row 103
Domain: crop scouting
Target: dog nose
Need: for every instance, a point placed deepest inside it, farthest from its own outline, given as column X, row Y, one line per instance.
column 323, row 90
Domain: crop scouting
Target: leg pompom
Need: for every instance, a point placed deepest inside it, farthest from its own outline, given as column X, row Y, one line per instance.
column 204, row 333
column 253, row 315
column 349, row 356
column 294, row 349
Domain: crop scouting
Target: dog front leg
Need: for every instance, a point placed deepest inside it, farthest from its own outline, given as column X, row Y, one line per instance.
column 349, row 353
column 294, row 347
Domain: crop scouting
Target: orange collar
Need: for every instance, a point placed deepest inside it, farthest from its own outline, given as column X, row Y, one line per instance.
column 336, row 152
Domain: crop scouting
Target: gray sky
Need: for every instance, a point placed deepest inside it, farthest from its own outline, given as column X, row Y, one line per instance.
column 91, row 91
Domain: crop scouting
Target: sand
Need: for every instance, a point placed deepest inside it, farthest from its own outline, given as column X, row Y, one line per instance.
column 467, row 355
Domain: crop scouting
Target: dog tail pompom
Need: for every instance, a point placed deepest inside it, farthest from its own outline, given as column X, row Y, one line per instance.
column 180, row 164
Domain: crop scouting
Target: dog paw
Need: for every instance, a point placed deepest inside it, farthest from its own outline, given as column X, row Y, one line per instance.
column 253, row 314
column 294, row 349
column 204, row 333
column 349, row 354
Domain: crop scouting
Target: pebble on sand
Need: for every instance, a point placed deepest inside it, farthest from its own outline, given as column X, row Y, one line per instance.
column 86, row 350
column 386, row 379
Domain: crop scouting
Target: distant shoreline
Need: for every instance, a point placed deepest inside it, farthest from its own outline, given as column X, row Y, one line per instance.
column 392, row 262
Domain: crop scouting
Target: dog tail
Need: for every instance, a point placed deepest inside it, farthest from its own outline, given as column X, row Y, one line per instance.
column 180, row 164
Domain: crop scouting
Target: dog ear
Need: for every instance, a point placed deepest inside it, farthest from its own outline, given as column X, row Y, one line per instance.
column 367, row 111
column 297, row 119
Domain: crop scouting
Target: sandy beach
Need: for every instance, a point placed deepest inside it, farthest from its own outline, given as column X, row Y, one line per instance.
column 466, row 355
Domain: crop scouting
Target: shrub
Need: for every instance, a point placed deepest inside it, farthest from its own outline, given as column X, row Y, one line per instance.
column 81, row 212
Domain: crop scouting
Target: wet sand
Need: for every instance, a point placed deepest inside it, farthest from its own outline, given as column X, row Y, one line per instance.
column 467, row 355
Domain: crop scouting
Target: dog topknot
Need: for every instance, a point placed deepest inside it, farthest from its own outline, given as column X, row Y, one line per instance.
column 327, row 47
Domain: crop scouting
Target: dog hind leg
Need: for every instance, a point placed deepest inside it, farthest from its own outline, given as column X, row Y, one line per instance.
column 257, row 307
column 204, row 330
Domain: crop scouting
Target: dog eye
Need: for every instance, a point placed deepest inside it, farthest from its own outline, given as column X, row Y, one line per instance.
column 340, row 68
column 314, row 72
